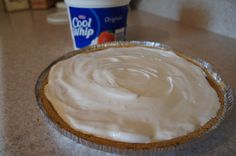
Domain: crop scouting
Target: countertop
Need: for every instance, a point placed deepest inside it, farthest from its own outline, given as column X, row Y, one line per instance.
column 28, row 44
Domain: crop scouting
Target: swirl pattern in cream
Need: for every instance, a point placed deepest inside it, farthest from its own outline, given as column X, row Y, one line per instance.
column 135, row 94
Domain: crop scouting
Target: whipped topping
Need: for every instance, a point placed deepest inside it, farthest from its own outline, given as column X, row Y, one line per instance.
column 134, row 95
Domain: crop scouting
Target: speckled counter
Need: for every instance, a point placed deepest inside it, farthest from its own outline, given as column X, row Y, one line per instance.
column 28, row 44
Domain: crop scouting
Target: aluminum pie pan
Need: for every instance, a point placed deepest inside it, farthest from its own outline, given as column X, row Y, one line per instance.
column 228, row 100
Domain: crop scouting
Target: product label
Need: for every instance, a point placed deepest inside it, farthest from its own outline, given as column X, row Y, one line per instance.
column 97, row 25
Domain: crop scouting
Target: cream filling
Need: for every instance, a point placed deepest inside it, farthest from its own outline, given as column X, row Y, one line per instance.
column 134, row 95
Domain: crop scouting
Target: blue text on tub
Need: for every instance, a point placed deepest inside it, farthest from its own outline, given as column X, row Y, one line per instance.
column 82, row 27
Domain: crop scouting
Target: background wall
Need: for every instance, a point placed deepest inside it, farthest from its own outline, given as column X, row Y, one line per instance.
column 1, row 4
column 218, row 16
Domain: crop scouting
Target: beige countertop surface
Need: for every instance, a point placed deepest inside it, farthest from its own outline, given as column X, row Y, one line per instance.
column 28, row 44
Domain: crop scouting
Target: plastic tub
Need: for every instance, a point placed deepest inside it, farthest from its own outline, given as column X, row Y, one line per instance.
column 97, row 21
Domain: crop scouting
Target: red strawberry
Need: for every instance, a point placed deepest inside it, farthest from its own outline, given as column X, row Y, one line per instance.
column 106, row 36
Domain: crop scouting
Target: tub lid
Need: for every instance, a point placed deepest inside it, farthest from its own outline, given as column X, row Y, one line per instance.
column 96, row 3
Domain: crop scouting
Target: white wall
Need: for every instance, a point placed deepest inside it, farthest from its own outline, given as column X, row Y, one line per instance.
column 218, row 16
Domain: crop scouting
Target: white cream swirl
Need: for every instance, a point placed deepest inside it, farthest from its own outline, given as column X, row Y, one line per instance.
column 135, row 94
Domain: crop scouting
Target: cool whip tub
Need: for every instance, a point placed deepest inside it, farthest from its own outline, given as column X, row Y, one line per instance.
column 97, row 21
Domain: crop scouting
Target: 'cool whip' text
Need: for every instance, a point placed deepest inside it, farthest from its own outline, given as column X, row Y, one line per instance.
column 82, row 27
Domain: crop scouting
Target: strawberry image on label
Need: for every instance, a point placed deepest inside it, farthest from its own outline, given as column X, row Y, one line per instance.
column 106, row 36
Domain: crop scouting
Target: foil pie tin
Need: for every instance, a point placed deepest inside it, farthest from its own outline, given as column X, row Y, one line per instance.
column 228, row 101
